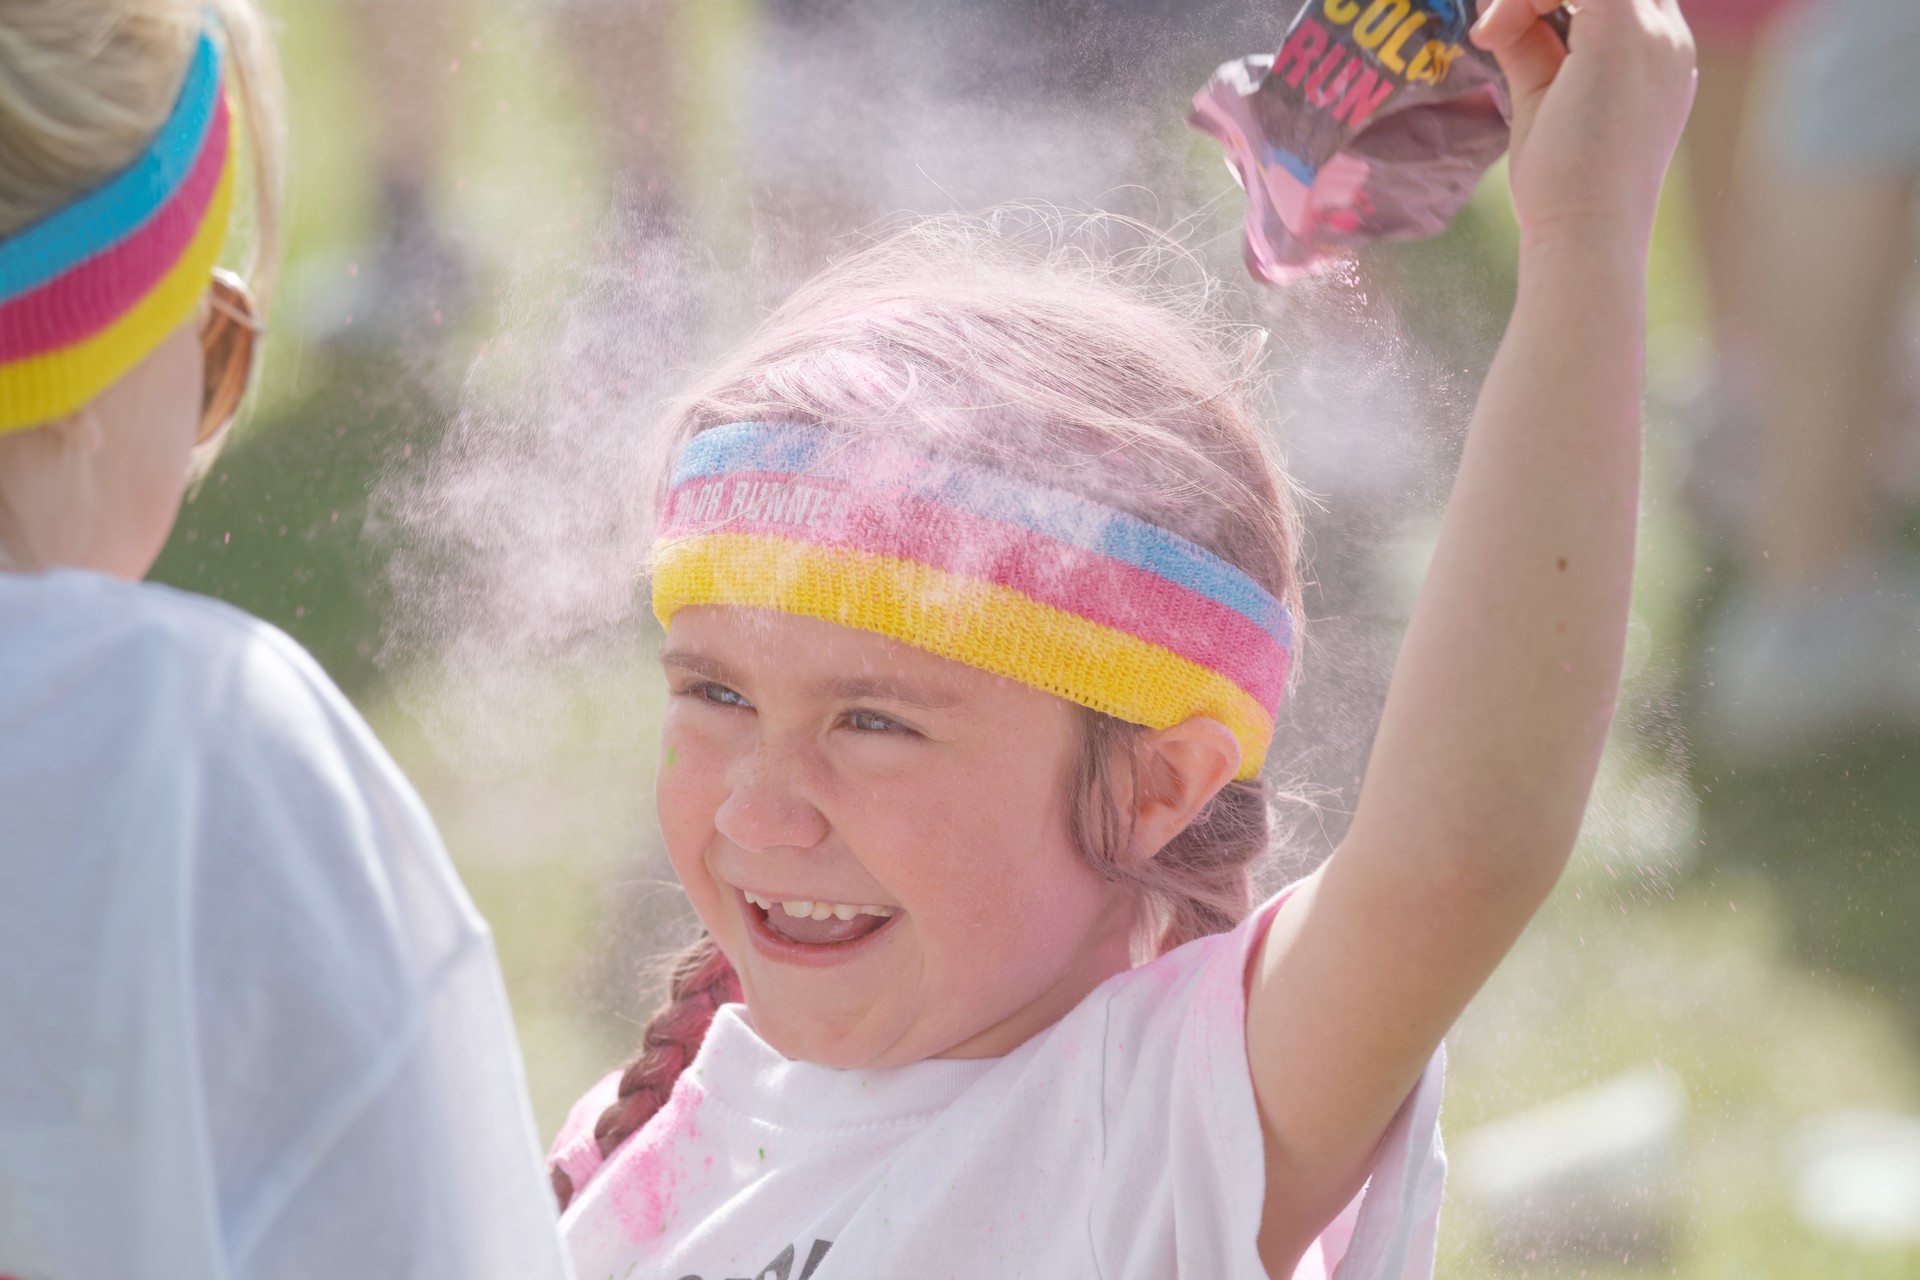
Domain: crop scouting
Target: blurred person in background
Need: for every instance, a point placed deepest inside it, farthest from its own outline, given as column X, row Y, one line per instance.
column 858, row 110
column 409, row 51
column 627, row 52
column 249, row 1021
column 1717, row 154
column 1824, row 637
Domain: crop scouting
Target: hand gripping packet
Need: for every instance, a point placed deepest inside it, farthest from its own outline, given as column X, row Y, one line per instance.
column 1374, row 121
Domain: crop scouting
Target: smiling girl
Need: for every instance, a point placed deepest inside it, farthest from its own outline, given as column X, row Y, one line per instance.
column 979, row 591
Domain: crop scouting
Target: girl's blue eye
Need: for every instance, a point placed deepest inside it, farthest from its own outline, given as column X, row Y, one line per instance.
column 870, row 722
column 718, row 694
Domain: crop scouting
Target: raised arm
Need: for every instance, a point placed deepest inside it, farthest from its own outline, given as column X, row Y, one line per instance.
column 1505, row 685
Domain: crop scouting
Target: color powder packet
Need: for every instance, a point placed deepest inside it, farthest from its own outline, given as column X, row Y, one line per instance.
column 1374, row 121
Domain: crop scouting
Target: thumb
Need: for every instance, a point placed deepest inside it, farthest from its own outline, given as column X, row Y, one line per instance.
column 1501, row 22
column 1530, row 61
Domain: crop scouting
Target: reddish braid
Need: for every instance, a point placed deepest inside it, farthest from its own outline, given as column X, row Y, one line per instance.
column 700, row 981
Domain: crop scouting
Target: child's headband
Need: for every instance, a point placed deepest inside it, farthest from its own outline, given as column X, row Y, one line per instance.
column 87, row 292
column 1044, row 587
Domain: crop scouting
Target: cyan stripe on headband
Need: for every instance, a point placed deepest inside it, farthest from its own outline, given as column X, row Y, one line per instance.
column 108, row 215
column 1067, row 517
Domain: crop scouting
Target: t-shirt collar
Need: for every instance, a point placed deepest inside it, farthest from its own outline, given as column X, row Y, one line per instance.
column 745, row 1073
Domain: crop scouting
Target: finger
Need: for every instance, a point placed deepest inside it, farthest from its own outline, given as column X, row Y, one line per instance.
column 1532, row 61
column 1504, row 21
column 1620, row 15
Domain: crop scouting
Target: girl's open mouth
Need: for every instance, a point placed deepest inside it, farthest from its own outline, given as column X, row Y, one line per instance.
column 819, row 927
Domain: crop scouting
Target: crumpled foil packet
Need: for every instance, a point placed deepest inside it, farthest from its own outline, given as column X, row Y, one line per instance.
column 1374, row 121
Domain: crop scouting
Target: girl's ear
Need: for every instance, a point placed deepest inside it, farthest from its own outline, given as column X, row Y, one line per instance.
column 1177, row 771
column 80, row 431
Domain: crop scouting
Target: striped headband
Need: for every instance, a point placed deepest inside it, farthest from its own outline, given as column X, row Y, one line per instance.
column 1041, row 586
column 87, row 292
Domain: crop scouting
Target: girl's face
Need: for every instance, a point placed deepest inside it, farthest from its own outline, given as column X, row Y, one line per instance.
column 807, row 764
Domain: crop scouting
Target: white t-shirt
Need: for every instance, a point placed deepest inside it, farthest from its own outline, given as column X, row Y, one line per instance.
column 1121, row 1143
column 250, row 1024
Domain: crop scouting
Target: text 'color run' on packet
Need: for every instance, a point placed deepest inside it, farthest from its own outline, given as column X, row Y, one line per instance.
column 1374, row 121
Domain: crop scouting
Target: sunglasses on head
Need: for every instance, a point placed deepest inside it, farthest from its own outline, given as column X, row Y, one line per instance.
column 227, row 345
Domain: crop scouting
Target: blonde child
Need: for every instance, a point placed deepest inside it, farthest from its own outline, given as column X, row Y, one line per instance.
column 249, row 1023
column 978, row 586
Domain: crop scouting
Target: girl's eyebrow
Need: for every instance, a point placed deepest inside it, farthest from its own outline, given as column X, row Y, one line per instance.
column 847, row 689
column 854, row 688
column 698, row 664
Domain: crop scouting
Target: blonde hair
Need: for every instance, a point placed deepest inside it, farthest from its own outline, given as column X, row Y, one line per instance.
column 1065, row 352
column 86, row 84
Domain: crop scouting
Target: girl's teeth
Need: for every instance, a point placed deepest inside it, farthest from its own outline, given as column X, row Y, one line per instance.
column 802, row 909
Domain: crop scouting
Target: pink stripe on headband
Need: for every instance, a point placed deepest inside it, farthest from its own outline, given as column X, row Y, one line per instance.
column 85, row 300
column 898, row 522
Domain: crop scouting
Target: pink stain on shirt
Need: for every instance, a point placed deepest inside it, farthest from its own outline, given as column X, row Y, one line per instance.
column 644, row 1176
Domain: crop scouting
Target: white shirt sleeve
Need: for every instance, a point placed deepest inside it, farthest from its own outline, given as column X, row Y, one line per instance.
column 1184, row 1168
column 250, row 1024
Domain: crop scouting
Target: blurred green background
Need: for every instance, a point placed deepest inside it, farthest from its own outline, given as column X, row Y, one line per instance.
column 1747, row 929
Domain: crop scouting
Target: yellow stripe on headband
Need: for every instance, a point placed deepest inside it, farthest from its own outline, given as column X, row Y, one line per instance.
column 45, row 387
column 981, row 624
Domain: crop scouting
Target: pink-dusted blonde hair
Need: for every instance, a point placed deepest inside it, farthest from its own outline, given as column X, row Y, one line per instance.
column 1061, row 351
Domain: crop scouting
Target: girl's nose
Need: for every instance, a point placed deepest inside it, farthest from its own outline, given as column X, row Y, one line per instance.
column 767, row 806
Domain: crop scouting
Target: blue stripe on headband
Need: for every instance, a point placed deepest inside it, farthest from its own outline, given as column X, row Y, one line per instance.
column 109, row 214
column 1066, row 517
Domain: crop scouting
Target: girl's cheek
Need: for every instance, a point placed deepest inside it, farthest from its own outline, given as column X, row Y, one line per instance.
column 685, row 803
column 691, row 781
